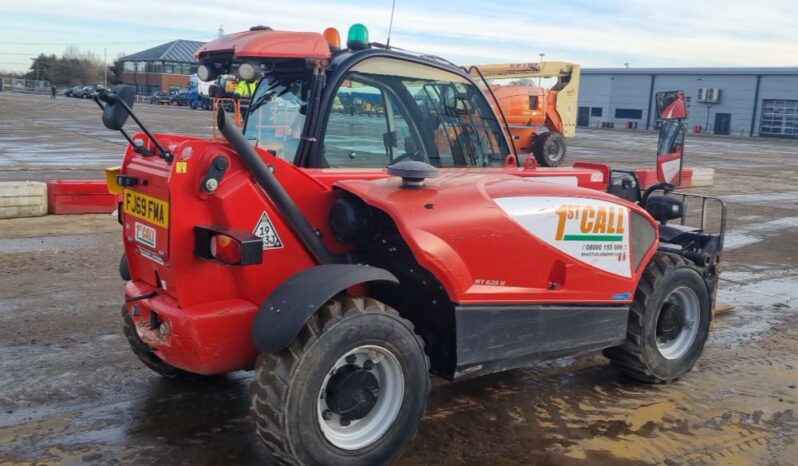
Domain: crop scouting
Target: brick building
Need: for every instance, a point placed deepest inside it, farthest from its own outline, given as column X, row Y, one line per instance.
column 162, row 68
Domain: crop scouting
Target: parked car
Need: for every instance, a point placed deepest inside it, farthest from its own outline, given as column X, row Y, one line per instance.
column 84, row 92
column 160, row 98
column 179, row 98
column 68, row 91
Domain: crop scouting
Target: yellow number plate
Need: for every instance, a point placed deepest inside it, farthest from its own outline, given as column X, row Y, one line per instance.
column 147, row 208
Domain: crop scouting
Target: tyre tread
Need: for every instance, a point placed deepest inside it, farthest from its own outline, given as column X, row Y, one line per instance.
column 628, row 358
column 274, row 371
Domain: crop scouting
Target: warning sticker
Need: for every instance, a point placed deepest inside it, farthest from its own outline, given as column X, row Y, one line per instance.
column 265, row 230
column 151, row 256
column 592, row 231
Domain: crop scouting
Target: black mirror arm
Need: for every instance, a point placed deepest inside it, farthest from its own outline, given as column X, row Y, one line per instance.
column 137, row 148
column 110, row 97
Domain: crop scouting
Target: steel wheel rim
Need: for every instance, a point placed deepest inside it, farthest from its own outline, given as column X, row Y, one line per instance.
column 363, row 432
column 677, row 347
column 555, row 151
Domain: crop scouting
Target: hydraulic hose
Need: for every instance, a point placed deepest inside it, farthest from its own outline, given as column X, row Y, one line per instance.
column 272, row 187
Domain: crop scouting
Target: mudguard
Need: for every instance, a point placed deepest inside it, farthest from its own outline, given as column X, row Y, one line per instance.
column 288, row 308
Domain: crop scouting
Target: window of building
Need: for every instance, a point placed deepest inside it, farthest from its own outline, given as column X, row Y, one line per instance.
column 596, row 111
column 628, row 114
column 779, row 118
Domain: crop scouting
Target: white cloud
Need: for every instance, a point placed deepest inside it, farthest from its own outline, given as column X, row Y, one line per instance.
column 642, row 32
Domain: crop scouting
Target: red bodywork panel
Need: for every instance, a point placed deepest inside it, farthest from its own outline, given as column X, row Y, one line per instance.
column 269, row 44
column 483, row 255
column 209, row 307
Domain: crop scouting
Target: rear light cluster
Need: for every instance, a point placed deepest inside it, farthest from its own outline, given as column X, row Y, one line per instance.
column 230, row 247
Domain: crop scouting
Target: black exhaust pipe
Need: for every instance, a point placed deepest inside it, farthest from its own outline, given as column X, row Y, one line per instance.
column 269, row 183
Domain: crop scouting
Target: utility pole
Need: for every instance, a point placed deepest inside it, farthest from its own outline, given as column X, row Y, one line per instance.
column 105, row 62
column 36, row 62
column 540, row 79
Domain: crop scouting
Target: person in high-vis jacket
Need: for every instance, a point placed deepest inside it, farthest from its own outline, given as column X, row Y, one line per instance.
column 245, row 90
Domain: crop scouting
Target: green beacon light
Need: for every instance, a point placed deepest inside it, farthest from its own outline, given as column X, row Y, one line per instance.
column 358, row 37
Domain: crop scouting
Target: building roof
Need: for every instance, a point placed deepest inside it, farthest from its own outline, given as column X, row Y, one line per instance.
column 786, row 70
column 181, row 51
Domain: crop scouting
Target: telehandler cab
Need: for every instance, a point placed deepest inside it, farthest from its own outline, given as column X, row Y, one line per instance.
column 344, row 256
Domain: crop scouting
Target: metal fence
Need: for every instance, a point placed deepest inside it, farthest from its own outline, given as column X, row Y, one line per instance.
column 24, row 85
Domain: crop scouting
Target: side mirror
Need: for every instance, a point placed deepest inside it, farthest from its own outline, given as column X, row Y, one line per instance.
column 671, row 105
column 118, row 103
column 449, row 98
column 670, row 152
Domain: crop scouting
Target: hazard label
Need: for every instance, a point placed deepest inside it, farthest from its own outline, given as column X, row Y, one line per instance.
column 265, row 230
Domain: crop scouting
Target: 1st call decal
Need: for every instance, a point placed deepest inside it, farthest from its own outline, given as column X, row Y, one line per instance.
column 592, row 231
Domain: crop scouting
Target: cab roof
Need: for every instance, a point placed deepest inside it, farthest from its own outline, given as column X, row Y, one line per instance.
column 264, row 42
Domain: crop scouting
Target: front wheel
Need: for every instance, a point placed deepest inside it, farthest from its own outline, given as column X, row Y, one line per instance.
column 549, row 149
column 350, row 390
column 668, row 322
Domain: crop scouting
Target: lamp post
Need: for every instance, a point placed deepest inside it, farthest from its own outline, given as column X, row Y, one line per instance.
column 540, row 78
column 36, row 63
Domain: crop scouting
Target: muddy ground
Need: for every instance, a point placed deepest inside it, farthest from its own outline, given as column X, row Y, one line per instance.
column 71, row 392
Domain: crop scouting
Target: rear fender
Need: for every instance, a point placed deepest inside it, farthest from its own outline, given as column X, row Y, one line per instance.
column 288, row 308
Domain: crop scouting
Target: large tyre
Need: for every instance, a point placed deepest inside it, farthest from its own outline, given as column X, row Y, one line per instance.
column 350, row 390
column 124, row 268
column 668, row 322
column 148, row 357
column 549, row 149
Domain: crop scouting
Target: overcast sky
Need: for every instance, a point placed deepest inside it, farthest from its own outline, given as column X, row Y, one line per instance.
column 642, row 33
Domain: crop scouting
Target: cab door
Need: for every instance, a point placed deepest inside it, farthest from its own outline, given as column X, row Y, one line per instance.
column 384, row 109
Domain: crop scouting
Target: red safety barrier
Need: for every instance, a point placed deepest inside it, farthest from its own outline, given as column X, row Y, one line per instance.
column 79, row 197
column 648, row 177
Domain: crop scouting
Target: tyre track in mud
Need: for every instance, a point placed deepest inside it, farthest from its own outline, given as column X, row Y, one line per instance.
column 737, row 406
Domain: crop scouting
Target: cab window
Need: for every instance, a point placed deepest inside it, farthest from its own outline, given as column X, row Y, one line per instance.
column 367, row 127
column 276, row 115
column 387, row 109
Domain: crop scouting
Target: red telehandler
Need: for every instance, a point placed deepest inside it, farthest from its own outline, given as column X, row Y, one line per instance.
column 346, row 255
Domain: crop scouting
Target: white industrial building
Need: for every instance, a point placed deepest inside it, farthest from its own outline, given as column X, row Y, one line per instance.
column 732, row 101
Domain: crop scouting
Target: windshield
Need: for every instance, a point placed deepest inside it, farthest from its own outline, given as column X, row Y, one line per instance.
column 277, row 115
column 386, row 110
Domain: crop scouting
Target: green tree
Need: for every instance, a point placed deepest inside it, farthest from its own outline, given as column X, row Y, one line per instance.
column 42, row 67
column 115, row 71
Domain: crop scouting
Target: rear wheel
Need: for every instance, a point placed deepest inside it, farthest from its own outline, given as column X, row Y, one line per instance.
column 350, row 389
column 549, row 149
column 148, row 357
column 668, row 322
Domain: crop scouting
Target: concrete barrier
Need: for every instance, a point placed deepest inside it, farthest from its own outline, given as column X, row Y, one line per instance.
column 22, row 199
column 79, row 197
column 691, row 177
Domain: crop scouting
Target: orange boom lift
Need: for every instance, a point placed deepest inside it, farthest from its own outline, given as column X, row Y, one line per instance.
column 539, row 118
